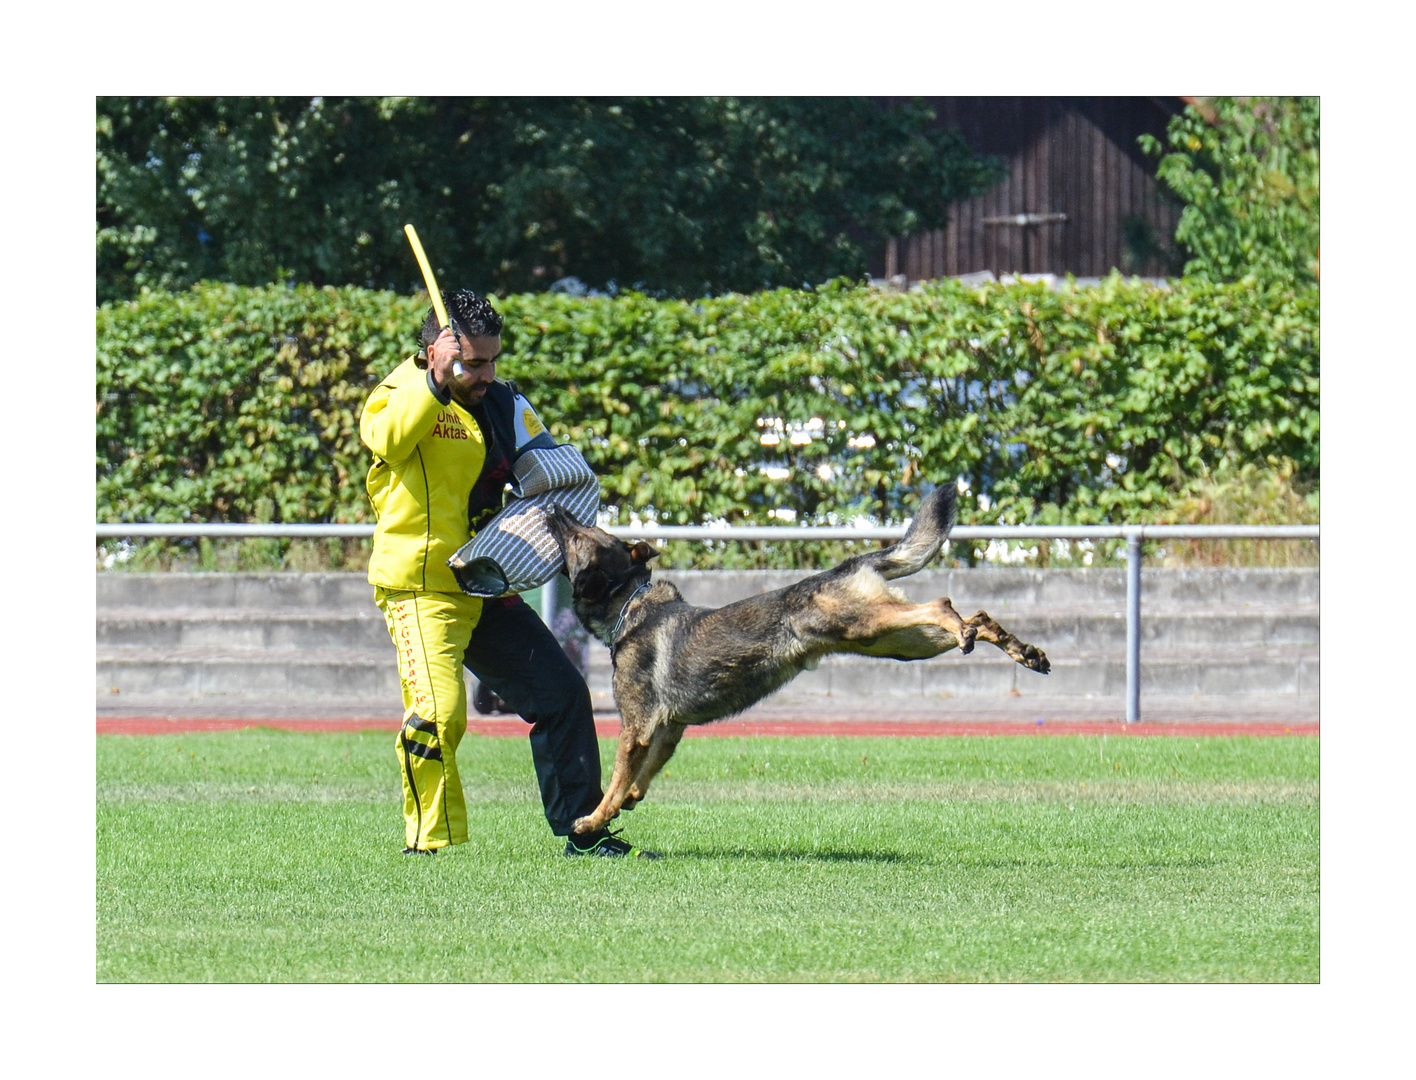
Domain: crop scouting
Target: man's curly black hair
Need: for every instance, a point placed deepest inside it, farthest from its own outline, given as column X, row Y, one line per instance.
column 470, row 315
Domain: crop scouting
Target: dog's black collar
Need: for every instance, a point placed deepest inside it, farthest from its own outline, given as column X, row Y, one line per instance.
column 614, row 634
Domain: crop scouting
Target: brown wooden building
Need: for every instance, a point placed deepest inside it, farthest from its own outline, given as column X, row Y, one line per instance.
column 1080, row 198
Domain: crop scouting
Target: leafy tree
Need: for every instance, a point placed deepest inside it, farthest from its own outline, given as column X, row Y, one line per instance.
column 671, row 196
column 1247, row 168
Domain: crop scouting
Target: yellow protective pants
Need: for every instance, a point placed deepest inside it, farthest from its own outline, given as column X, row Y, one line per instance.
column 430, row 632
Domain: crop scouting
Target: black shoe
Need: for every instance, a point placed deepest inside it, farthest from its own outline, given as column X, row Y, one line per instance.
column 418, row 851
column 486, row 702
column 606, row 844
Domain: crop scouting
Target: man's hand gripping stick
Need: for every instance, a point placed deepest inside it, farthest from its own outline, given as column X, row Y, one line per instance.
column 432, row 285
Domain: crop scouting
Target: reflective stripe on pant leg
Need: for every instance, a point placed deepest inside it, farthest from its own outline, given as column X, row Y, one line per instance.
column 430, row 633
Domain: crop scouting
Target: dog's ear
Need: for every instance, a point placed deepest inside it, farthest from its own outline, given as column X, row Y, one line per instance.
column 642, row 552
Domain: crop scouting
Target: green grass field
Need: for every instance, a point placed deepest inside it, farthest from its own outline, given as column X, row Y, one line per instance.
column 264, row 855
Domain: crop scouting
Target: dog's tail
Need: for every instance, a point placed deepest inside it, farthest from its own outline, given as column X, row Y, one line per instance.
column 922, row 541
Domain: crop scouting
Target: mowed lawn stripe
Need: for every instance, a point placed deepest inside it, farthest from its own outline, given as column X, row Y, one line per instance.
column 263, row 855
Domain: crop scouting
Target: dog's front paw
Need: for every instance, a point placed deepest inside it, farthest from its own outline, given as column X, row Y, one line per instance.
column 966, row 640
column 584, row 825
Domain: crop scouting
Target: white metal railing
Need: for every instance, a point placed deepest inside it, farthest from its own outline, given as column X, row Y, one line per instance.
column 1134, row 535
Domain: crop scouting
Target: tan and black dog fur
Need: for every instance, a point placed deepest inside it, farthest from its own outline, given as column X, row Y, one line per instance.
column 676, row 665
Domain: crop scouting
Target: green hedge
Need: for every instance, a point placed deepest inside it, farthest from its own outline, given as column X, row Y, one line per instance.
column 227, row 403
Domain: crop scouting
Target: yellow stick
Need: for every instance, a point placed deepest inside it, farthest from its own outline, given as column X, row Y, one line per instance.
column 431, row 283
column 428, row 279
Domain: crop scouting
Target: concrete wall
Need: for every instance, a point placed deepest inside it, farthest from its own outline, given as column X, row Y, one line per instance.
column 1234, row 635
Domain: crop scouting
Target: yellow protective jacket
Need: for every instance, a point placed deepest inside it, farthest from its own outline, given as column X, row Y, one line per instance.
column 439, row 472
column 427, row 456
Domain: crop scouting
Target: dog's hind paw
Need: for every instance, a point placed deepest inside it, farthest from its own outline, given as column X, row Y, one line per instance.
column 1035, row 659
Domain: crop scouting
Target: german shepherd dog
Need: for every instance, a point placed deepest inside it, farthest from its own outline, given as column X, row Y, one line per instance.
column 676, row 665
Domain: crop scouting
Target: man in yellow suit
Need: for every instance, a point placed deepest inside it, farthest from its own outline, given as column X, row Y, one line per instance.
column 444, row 434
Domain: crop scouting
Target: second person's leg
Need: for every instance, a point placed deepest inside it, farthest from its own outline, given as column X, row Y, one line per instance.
column 518, row 659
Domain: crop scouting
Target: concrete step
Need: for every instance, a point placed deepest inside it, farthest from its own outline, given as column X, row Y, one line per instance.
column 1239, row 671
column 1234, row 672
column 233, row 592
column 1026, row 708
column 1050, row 628
column 195, row 672
column 1244, row 634
column 1001, row 587
column 991, row 588
column 188, row 628
column 1090, row 632
column 1261, row 670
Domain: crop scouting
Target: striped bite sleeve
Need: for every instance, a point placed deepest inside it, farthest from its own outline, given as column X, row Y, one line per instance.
column 515, row 551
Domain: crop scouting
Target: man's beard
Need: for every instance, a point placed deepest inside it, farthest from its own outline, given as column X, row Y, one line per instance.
column 468, row 398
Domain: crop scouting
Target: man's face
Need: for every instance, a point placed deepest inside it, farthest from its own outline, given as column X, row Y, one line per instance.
column 479, row 368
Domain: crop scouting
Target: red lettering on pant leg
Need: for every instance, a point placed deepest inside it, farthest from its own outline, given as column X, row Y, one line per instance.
column 408, row 656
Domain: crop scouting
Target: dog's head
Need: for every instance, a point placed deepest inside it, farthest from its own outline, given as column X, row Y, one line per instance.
column 604, row 572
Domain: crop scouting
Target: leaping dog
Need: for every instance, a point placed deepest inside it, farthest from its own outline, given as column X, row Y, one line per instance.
column 677, row 665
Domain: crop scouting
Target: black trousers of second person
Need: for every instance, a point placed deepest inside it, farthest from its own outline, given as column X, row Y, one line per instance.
column 515, row 656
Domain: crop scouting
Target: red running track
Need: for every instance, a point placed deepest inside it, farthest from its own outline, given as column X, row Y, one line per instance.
column 139, row 725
